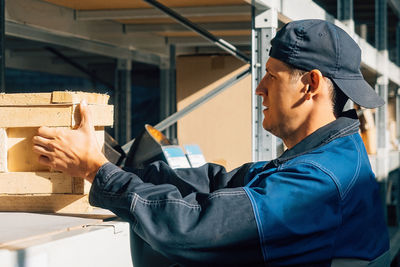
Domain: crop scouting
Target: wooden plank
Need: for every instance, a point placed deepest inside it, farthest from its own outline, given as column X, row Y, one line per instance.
column 39, row 183
column 80, row 186
column 20, row 156
column 76, row 97
column 56, row 97
column 35, row 116
column 3, row 150
column 25, row 99
column 60, row 203
column 56, row 116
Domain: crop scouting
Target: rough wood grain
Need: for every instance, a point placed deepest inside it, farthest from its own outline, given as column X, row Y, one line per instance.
column 60, row 203
column 56, row 97
column 76, row 97
column 56, row 116
column 3, row 150
column 25, row 99
column 41, row 183
column 35, row 116
column 20, row 155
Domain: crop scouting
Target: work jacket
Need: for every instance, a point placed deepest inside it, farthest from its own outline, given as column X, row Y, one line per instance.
column 316, row 203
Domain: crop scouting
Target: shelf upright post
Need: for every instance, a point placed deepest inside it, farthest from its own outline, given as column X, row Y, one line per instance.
column 382, row 86
column 398, row 114
column 168, row 91
column 264, row 25
column 123, row 99
column 345, row 11
column 398, row 43
column 2, row 50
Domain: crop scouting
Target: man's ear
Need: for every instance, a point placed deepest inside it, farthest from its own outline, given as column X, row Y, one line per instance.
column 315, row 79
column 313, row 83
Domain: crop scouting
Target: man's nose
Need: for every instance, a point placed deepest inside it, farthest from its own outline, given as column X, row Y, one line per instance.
column 260, row 88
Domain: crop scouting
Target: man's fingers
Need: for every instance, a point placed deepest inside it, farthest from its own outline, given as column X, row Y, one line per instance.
column 41, row 141
column 41, row 150
column 47, row 132
column 55, row 165
column 44, row 161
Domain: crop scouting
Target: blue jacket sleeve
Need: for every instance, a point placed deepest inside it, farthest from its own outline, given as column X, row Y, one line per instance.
column 204, row 179
column 195, row 216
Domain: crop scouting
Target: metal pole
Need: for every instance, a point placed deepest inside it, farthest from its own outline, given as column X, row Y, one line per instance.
column 168, row 91
column 345, row 13
column 124, row 100
column 265, row 22
column 172, row 133
column 381, row 24
column 345, row 9
column 398, row 114
column 203, row 32
column 382, row 86
column 2, row 50
column 398, row 43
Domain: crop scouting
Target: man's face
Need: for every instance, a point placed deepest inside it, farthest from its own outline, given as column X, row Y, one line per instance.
column 283, row 97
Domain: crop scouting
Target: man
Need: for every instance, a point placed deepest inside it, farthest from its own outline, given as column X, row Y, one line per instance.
column 316, row 205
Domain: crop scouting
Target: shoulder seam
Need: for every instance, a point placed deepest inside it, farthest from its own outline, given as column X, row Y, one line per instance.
column 357, row 171
column 325, row 170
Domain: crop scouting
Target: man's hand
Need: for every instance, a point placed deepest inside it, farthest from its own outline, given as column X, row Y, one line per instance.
column 75, row 152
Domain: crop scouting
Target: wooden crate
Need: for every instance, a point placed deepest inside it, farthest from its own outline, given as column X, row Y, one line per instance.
column 25, row 185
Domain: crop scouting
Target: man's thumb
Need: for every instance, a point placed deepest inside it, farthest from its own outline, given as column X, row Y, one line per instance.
column 86, row 119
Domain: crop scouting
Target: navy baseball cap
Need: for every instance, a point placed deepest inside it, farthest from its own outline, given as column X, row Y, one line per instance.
column 318, row 44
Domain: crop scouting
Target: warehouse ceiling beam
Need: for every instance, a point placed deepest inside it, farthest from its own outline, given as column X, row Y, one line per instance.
column 199, row 41
column 265, row 4
column 146, row 13
column 162, row 27
column 30, row 32
column 204, row 33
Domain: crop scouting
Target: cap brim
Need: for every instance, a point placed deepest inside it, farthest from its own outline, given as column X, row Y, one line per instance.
column 360, row 92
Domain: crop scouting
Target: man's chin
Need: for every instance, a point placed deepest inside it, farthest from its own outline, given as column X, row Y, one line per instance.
column 269, row 129
column 266, row 126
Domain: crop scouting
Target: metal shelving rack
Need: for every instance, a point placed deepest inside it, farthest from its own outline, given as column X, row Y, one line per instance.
column 99, row 32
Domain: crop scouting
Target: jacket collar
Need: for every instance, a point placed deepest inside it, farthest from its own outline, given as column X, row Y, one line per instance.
column 346, row 124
